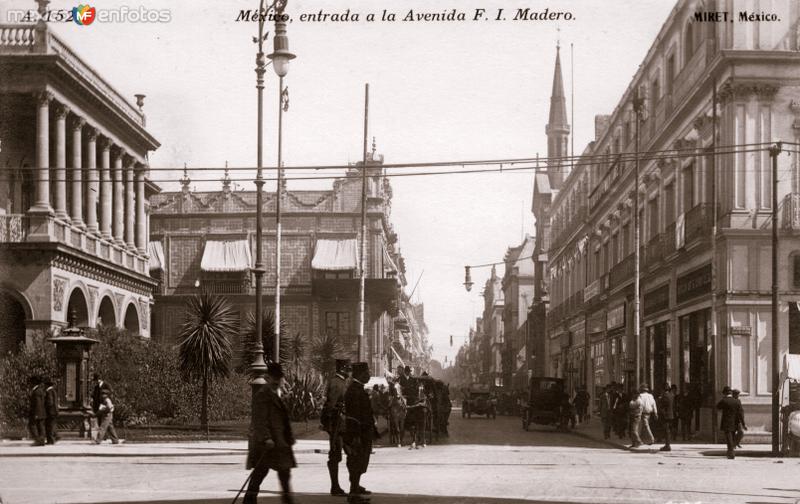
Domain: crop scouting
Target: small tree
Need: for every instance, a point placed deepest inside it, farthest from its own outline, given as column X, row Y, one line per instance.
column 204, row 350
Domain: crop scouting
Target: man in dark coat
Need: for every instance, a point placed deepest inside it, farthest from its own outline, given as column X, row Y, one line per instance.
column 51, row 410
column 741, row 426
column 666, row 407
column 731, row 414
column 332, row 420
column 271, row 438
column 360, row 431
column 37, row 412
column 99, row 385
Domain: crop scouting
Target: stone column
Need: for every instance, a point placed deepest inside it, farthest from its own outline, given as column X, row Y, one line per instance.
column 130, row 218
column 141, row 218
column 61, row 162
column 118, row 205
column 105, row 189
column 42, row 203
column 76, row 210
column 92, row 185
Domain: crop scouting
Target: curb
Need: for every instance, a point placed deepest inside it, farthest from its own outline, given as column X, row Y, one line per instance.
column 603, row 441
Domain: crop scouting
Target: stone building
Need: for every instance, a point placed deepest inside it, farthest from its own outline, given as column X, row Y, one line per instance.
column 74, row 192
column 752, row 69
column 493, row 327
column 518, row 291
column 206, row 240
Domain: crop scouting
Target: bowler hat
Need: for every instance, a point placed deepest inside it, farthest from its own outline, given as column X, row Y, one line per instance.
column 360, row 368
column 274, row 370
column 726, row 390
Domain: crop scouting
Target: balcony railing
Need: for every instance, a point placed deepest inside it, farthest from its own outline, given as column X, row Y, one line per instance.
column 621, row 272
column 654, row 252
column 698, row 222
column 614, row 172
column 227, row 286
column 791, row 211
column 13, row 228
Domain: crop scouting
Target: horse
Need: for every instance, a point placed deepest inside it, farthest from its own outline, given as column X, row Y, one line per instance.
column 397, row 415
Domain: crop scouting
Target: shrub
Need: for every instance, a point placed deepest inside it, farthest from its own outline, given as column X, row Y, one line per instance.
column 16, row 369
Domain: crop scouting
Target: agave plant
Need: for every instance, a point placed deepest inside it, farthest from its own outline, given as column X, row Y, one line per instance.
column 303, row 396
column 204, row 350
column 295, row 352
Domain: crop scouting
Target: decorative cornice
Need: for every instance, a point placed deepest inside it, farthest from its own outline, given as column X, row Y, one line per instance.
column 745, row 90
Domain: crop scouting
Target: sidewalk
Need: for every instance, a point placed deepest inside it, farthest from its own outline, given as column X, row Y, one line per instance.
column 593, row 430
column 86, row 448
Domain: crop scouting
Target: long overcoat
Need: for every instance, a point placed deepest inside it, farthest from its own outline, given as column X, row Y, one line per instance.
column 36, row 410
column 360, row 427
column 731, row 412
column 270, row 421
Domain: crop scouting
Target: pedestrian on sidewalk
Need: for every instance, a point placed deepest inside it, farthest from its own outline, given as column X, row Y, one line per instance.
column 685, row 411
column 359, row 433
column 621, row 413
column 675, row 417
column 271, row 438
column 105, row 417
column 635, row 412
column 37, row 413
column 581, row 402
column 98, row 386
column 667, row 408
column 332, row 419
column 731, row 412
column 740, row 425
column 606, row 410
column 51, row 411
column 649, row 410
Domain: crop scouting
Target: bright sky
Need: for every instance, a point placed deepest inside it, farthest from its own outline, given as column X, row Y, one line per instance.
column 438, row 91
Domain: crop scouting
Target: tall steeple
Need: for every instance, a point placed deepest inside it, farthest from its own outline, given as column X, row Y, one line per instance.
column 557, row 128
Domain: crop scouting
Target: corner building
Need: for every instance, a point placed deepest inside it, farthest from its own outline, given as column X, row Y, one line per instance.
column 752, row 69
column 74, row 193
column 206, row 240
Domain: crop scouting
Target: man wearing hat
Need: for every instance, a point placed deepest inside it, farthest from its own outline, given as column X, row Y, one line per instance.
column 332, row 423
column 728, row 423
column 51, row 411
column 649, row 409
column 359, row 432
column 36, row 411
column 271, row 439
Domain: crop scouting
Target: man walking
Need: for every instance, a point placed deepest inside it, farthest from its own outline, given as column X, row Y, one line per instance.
column 606, row 408
column 51, row 411
column 649, row 409
column 740, row 425
column 360, row 431
column 37, row 413
column 685, row 411
column 99, row 385
column 105, row 417
column 271, row 438
column 731, row 412
column 581, row 402
column 667, row 407
column 333, row 423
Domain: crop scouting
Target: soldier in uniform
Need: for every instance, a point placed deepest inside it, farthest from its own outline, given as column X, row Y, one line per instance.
column 271, row 438
column 360, row 431
column 332, row 423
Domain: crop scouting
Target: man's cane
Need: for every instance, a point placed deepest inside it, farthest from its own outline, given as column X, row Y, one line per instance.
column 249, row 476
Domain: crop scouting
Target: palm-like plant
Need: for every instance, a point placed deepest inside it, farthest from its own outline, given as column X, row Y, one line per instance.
column 267, row 339
column 296, row 352
column 204, row 350
column 325, row 349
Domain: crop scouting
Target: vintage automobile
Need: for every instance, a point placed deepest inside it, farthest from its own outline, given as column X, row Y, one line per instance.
column 479, row 400
column 546, row 403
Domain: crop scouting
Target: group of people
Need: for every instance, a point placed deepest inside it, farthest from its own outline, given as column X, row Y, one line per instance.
column 672, row 413
column 42, row 411
column 347, row 417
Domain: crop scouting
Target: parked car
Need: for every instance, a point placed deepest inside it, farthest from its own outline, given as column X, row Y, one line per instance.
column 479, row 400
column 546, row 404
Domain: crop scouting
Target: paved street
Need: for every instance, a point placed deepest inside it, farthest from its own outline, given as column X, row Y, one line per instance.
column 483, row 461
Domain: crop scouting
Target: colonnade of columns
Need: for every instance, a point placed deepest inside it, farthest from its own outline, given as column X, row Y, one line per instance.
column 118, row 180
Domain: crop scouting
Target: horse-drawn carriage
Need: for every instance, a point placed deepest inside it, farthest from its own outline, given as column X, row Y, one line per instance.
column 423, row 410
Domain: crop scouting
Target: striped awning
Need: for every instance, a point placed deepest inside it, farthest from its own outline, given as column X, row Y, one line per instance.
column 226, row 256
column 156, row 253
column 336, row 255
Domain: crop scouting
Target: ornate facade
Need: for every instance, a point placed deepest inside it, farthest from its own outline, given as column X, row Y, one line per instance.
column 319, row 286
column 74, row 193
column 752, row 69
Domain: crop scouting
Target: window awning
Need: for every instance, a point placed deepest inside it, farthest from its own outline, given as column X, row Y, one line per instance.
column 336, row 255
column 226, row 256
column 156, row 253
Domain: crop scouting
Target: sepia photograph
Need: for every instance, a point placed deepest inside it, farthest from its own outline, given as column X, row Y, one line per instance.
column 406, row 251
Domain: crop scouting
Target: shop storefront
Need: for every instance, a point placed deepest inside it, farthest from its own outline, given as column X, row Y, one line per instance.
column 694, row 333
column 616, row 342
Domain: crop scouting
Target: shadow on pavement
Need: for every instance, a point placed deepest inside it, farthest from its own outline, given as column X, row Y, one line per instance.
column 306, row 498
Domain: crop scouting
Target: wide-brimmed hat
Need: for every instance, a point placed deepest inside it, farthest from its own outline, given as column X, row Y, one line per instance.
column 274, row 370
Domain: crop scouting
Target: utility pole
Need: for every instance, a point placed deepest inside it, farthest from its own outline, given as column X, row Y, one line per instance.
column 638, row 104
column 774, row 151
column 363, row 251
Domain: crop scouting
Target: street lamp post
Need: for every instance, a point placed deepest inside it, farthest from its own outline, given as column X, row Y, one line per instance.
column 638, row 105
column 280, row 63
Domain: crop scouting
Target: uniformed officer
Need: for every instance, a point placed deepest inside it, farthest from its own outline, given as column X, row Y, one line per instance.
column 332, row 423
column 360, row 431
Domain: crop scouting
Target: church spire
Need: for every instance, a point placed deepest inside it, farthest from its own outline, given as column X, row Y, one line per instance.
column 557, row 127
